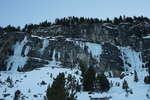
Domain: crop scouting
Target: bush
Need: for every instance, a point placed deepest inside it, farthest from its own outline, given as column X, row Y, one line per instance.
column 147, row 80
column 17, row 95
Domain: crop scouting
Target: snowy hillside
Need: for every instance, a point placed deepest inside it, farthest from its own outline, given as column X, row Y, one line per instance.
column 29, row 83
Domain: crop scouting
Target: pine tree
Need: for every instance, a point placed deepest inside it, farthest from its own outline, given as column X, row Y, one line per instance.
column 83, row 69
column 89, row 78
column 135, row 76
column 149, row 68
column 57, row 90
column 125, row 85
column 102, row 84
column 116, row 20
column 147, row 78
column 48, row 92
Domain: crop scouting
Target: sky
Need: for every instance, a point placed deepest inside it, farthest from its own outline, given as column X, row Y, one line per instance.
column 21, row 12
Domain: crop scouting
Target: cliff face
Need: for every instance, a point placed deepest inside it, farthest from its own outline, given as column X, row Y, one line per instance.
column 106, row 47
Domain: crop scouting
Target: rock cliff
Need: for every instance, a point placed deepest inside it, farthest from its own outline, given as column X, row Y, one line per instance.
column 105, row 47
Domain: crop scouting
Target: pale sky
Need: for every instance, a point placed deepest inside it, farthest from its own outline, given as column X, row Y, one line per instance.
column 21, row 12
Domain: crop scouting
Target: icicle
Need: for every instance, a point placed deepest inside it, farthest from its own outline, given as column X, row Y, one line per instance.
column 17, row 60
column 129, row 56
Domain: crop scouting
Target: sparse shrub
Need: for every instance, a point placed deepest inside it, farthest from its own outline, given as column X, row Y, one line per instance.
column 147, row 95
column 147, row 80
column 77, row 72
column 5, row 90
column 25, row 76
column 51, row 75
column 29, row 91
column 17, row 95
column 125, row 85
column 9, row 80
column 43, row 83
column 35, row 96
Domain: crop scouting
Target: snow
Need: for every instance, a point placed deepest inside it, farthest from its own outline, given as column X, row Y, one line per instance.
column 35, row 36
column 147, row 36
column 18, row 60
column 31, row 80
column 132, row 60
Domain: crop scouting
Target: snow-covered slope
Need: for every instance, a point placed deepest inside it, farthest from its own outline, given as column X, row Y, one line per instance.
column 29, row 85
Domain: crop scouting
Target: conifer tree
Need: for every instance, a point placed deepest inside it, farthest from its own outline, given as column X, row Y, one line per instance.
column 57, row 90
column 89, row 78
column 147, row 78
column 135, row 76
column 125, row 85
column 102, row 84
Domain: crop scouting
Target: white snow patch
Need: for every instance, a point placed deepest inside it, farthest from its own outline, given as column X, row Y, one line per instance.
column 147, row 36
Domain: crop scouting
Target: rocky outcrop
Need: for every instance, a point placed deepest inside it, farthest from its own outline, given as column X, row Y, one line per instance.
column 103, row 46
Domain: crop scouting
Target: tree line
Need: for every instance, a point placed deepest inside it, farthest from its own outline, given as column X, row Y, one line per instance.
column 72, row 20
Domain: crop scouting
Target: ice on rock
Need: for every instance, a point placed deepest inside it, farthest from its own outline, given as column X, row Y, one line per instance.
column 132, row 60
column 93, row 48
column 17, row 60
column 54, row 62
column 27, row 50
column 45, row 44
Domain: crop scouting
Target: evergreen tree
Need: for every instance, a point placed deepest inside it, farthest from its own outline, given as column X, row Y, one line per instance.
column 71, row 87
column 148, row 68
column 147, row 78
column 83, row 69
column 135, row 76
column 48, row 92
column 129, row 19
column 17, row 95
column 116, row 21
column 121, row 19
column 102, row 84
column 57, row 90
column 89, row 78
column 45, row 24
column 125, row 85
